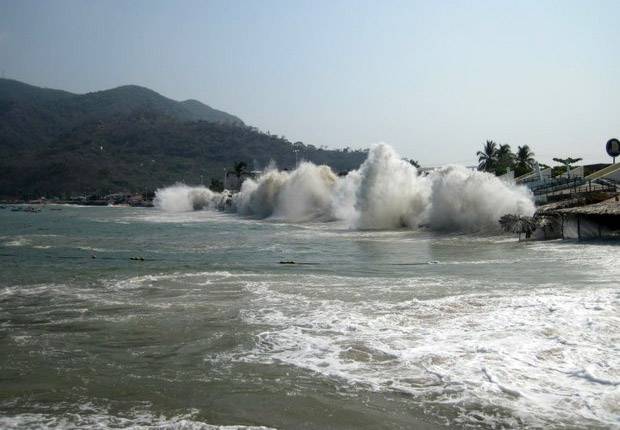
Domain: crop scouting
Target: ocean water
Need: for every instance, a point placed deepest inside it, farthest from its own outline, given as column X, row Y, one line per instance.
column 370, row 330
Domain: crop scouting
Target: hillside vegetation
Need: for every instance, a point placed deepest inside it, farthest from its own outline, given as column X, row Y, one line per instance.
column 55, row 143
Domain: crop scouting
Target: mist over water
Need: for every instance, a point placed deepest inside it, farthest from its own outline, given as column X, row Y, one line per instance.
column 386, row 192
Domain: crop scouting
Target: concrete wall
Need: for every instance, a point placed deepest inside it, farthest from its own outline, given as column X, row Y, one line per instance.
column 534, row 177
column 577, row 172
column 551, row 230
column 615, row 175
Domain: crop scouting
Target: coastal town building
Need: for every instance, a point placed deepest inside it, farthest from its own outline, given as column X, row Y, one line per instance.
column 595, row 221
column 581, row 204
column 580, row 180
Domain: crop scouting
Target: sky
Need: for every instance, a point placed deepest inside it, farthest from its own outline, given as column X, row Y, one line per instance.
column 434, row 79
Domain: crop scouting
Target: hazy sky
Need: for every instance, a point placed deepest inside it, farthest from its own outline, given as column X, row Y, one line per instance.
column 432, row 78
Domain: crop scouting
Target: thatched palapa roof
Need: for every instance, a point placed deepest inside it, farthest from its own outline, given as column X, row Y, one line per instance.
column 552, row 208
column 607, row 207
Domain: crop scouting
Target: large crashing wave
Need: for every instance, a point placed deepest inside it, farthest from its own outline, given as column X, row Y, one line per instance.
column 386, row 192
column 301, row 195
column 183, row 198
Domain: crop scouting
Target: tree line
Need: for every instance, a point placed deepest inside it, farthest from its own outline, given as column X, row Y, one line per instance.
column 499, row 159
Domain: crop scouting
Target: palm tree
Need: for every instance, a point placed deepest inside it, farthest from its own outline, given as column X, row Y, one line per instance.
column 240, row 168
column 524, row 160
column 487, row 158
column 505, row 159
column 567, row 162
column 518, row 224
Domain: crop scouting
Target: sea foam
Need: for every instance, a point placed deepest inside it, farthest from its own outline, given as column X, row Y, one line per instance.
column 386, row 192
column 503, row 360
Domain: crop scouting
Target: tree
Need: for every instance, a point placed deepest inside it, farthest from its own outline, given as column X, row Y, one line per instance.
column 216, row 185
column 524, row 160
column 505, row 159
column 487, row 158
column 567, row 162
column 518, row 224
column 240, row 168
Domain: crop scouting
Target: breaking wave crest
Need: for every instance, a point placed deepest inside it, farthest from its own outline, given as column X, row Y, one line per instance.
column 183, row 198
column 386, row 192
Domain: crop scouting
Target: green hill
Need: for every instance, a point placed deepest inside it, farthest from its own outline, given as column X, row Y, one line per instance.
column 11, row 90
column 130, row 138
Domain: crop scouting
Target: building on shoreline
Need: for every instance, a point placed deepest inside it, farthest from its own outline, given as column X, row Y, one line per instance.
column 581, row 180
column 595, row 221
column 580, row 219
column 581, row 204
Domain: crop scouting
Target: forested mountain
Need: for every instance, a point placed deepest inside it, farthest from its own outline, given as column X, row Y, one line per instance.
column 54, row 143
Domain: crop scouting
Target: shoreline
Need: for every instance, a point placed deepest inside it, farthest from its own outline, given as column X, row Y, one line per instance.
column 39, row 202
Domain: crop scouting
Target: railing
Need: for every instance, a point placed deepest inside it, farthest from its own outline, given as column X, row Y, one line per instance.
column 557, row 185
column 608, row 181
column 578, row 187
column 596, row 186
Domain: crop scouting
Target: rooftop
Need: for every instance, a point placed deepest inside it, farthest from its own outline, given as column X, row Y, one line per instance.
column 607, row 207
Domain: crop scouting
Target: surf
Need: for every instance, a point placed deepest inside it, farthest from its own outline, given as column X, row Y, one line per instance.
column 385, row 193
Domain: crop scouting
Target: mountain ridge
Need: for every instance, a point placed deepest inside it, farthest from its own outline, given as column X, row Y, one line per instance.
column 122, row 99
column 129, row 138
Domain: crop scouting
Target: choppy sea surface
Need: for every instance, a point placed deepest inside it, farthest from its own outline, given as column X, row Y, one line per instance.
column 370, row 330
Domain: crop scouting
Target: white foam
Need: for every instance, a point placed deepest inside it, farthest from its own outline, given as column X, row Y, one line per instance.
column 390, row 192
column 466, row 200
column 502, row 352
column 304, row 194
column 183, row 198
column 513, row 356
column 385, row 193
column 89, row 417
column 20, row 241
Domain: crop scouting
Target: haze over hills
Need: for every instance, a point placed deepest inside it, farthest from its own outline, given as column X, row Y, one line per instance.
column 129, row 138
column 47, row 110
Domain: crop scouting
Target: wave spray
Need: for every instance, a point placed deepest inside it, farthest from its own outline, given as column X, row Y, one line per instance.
column 386, row 192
